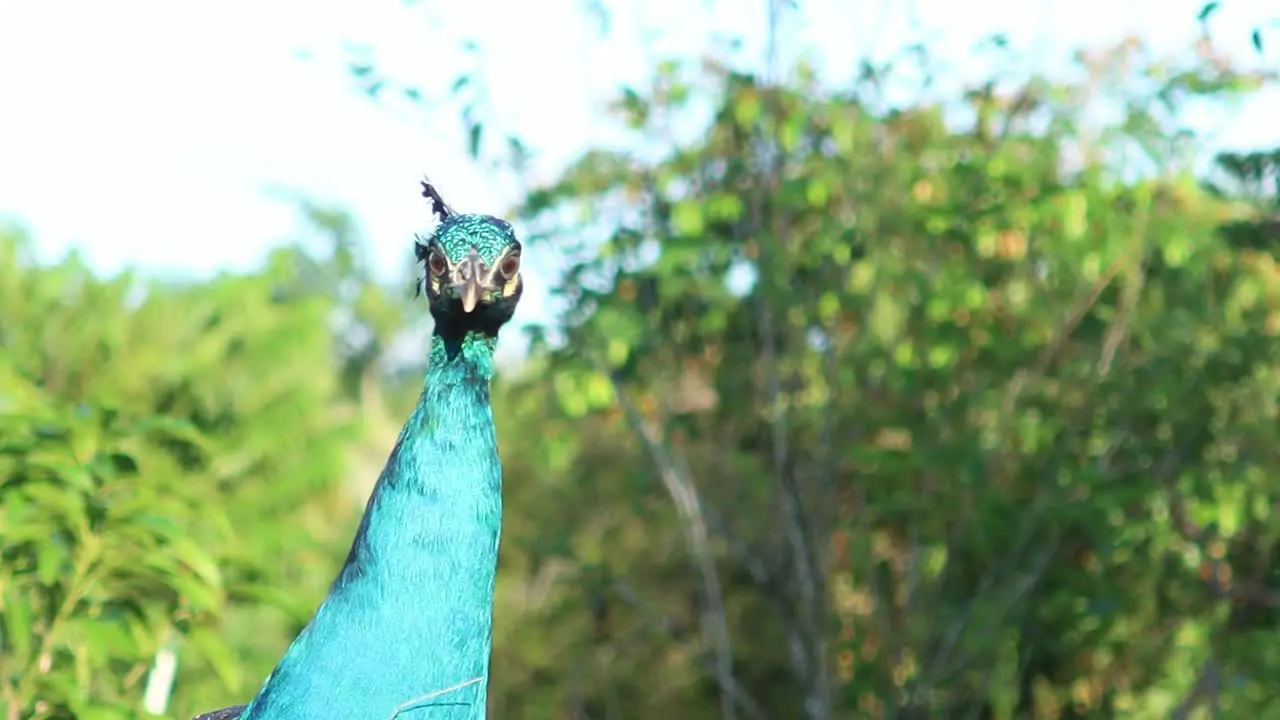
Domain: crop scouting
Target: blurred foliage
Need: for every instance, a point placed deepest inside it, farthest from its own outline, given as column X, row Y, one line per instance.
column 153, row 437
column 977, row 424
column 852, row 411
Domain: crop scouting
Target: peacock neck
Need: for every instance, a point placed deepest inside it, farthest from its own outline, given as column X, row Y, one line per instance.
column 419, row 581
column 460, row 359
column 444, row 467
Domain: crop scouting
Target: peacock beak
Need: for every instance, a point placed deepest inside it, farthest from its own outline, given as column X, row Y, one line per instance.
column 470, row 293
column 470, row 278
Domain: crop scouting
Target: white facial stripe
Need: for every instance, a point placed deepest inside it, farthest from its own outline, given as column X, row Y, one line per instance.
column 458, row 274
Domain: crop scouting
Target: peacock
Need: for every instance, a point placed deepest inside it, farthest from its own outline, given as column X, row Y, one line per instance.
column 407, row 627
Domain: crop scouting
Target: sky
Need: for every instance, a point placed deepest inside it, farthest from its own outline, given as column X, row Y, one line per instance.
column 167, row 135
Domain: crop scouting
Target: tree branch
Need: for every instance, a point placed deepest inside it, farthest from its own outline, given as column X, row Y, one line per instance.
column 685, row 497
column 750, row 706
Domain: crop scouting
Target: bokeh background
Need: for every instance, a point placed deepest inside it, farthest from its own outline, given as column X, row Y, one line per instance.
column 879, row 360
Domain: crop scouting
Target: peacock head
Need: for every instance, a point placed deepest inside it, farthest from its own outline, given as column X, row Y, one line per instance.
column 471, row 269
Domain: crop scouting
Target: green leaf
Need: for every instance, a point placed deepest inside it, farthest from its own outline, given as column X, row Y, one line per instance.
column 194, row 557
column 817, row 193
column 474, row 132
column 16, row 611
column 53, row 561
column 687, row 218
column 747, row 109
column 726, row 207
column 218, row 654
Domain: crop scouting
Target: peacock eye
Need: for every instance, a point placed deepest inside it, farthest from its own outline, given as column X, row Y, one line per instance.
column 436, row 263
column 510, row 265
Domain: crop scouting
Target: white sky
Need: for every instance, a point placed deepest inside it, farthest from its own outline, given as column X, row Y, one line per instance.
column 150, row 132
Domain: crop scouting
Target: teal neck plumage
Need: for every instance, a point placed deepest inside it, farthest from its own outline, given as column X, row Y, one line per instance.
column 407, row 627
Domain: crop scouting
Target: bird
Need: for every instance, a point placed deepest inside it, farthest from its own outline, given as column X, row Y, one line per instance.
column 406, row 630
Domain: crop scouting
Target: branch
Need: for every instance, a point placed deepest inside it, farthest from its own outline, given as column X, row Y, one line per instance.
column 1208, row 687
column 750, row 561
column 1005, row 578
column 732, row 688
column 685, row 496
column 809, row 655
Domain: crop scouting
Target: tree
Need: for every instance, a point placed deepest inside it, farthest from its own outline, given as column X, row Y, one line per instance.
column 949, row 408
column 154, row 437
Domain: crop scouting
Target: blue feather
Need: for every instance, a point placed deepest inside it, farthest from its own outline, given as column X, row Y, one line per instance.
column 411, row 613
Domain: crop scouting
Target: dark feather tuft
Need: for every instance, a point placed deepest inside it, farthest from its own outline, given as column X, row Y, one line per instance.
column 439, row 207
column 443, row 212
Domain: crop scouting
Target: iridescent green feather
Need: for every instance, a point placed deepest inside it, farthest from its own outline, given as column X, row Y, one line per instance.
column 490, row 236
